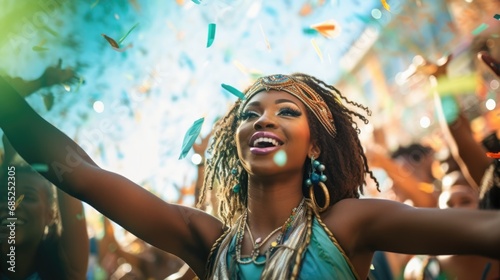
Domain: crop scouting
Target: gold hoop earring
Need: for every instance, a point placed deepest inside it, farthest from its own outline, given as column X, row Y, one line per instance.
column 326, row 193
column 318, row 179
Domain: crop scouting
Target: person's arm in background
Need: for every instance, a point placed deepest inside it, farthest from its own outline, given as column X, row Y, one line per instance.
column 468, row 153
column 74, row 238
column 51, row 76
column 403, row 180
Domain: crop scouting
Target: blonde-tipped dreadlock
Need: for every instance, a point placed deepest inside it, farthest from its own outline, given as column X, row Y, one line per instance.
column 343, row 156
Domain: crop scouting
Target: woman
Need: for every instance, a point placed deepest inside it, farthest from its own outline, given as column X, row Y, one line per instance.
column 48, row 244
column 289, row 159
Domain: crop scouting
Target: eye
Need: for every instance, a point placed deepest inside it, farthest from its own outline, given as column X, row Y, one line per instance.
column 247, row 115
column 288, row 111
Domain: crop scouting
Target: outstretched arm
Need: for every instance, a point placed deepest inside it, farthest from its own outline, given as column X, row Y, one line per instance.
column 182, row 231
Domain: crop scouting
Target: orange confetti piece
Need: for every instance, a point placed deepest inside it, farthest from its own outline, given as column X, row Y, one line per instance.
column 328, row 29
column 493, row 155
column 386, row 5
column 305, row 10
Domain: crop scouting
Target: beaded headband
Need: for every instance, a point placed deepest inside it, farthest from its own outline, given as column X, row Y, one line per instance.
column 300, row 90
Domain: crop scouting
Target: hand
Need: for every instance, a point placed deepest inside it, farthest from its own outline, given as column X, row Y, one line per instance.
column 54, row 75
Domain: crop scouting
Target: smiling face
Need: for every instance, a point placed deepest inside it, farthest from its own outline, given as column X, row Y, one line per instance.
column 273, row 123
column 33, row 212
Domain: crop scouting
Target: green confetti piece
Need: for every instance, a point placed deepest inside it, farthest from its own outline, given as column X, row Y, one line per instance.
column 196, row 2
column 39, row 49
column 280, row 158
column 40, row 167
column 234, row 91
column 18, row 201
column 126, row 34
column 211, row 34
column 479, row 29
column 190, row 137
column 496, row 16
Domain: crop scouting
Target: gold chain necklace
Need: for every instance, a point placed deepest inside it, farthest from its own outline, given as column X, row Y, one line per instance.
column 259, row 242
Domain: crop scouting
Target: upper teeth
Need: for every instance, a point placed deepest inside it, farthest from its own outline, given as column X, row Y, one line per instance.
column 265, row 139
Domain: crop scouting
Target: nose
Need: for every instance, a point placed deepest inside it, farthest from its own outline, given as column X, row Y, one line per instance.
column 264, row 121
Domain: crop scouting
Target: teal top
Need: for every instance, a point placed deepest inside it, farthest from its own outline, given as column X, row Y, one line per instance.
column 322, row 260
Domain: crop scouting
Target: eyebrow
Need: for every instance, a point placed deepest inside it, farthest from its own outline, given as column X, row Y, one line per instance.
column 278, row 101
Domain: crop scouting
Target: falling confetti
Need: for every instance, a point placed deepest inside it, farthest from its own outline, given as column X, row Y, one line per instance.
column 197, row 2
column 39, row 49
column 190, row 137
column 316, row 48
column 211, row 34
column 111, row 41
column 234, row 91
column 126, row 34
column 496, row 16
column 268, row 46
column 386, row 5
column 280, row 158
column 18, row 201
column 479, row 29
column 329, row 29
column 493, row 155
column 40, row 167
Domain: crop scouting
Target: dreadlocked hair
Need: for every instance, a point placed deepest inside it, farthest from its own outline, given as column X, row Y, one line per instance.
column 224, row 169
column 343, row 156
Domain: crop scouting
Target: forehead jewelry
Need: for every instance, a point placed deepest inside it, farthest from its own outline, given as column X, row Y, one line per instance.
column 300, row 90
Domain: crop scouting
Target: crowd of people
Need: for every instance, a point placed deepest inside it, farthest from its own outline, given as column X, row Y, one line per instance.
column 291, row 178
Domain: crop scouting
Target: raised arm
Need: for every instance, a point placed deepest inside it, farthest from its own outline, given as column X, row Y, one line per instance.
column 74, row 237
column 182, row 231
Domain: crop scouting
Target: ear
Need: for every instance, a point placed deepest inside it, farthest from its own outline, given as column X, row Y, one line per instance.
column 314, row 150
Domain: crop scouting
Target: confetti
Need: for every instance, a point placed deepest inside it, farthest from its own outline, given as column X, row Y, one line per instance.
column 94, row 4
column 479, row 29
column 190, row 137
column 268, row 46
column 39, row 49
column 111, row 41
column 280, row 158
column 40, row 167
column 329, row 28
column 126, row 34
column 386, row 5
column 197, row 2
column 496, row 16
column 18, row 201
column 234, row 91
column 493, row 155
column 316, row 48
column 211, row 34
column 50, row 30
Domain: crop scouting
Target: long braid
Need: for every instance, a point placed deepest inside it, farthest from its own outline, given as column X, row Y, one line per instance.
column 303, row 246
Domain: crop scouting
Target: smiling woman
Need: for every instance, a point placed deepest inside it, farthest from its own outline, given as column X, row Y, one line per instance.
column 289, row 169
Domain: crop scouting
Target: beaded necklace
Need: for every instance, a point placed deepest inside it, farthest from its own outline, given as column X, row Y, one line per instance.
column 259, row 242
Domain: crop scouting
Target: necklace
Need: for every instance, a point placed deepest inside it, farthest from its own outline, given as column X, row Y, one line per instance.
column 259, row 242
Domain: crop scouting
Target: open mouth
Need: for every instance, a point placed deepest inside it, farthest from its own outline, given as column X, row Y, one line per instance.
column 266, row 142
